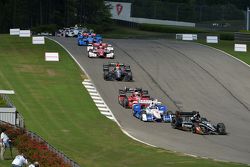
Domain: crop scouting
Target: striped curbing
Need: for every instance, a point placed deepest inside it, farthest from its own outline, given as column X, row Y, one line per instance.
column 100, row 104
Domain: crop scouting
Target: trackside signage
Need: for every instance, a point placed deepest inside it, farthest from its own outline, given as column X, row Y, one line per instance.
column 51, row 56
column 212, row 39
column 187, row 37
column 240, row 47
column 24, row 33
column 38, row 40
column 14, row 31
column 120, row 10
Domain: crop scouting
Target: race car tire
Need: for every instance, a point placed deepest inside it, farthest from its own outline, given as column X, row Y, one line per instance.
column 193, row 129
column 106, row 75
column 125, row 102
column 173, row 124
column 128, row 77
column 221, row 129
column 120, row 101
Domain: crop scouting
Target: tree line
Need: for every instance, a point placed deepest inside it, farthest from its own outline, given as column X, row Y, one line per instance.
column 63, row 13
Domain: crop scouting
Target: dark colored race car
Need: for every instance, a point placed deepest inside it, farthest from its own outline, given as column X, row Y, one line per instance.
column 191, row 121
column 117, row 71
column 129, row 96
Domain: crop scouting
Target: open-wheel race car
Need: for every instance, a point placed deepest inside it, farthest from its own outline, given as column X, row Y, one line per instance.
column 117, row 71
column 129, row 96
column 102, row 50
column 151, row 110
column 84, row 39
column 191, row 121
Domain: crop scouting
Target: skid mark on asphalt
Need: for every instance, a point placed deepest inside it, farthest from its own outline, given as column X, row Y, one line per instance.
column 101, row 105
column 211, row 75
column 150, row 76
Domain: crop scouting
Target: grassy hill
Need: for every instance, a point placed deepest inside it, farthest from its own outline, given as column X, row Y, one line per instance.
column 56, row 106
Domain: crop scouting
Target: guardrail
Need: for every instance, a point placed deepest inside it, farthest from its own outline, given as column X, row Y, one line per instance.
column 53, row 149
column 242, row 37
column 50, row 147
column 12, row 117
column 7, row 100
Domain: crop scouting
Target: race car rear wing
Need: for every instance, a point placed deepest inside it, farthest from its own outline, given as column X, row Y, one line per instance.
column 149, row 101
column 185, row 114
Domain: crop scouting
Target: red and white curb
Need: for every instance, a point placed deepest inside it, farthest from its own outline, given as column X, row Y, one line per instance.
column 99, row 102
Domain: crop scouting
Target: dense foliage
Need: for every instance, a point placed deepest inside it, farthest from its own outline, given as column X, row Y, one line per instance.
column 33, row 149
column 33, row 13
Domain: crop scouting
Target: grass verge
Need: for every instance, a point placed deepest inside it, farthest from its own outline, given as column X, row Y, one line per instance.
column 228, row 47
column 55, row 105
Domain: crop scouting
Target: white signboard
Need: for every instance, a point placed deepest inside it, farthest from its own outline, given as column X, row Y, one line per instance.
column 120, row 10
column 14, row 31
column 212, row 39
column 51, row 56
column 187, row 37
column 240, row 47
column 38, row 40
column 24, row 33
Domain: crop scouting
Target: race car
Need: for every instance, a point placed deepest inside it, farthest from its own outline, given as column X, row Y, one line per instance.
column 152, row 110
column 129, row 96
column 117, row 71
column 191, row 121
column 88, row 38
column 102, row 50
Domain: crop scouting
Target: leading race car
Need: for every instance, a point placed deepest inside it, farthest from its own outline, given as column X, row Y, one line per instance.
column 129, row 96
column 151, row 111
column 191, row 121
column 117, row 71
column 102, row 50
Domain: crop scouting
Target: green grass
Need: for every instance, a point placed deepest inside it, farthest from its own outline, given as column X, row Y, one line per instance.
column 2, row 102
column 228, row 46
column 56, row 106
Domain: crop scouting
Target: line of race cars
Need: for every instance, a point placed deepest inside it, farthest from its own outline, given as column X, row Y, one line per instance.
column 149, row 109
column 144, row 107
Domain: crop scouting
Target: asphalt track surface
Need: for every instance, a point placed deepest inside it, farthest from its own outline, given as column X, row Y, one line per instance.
column 199, row 77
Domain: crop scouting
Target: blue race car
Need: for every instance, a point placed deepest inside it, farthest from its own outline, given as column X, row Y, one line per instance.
column 154, row 111
column 88, row 38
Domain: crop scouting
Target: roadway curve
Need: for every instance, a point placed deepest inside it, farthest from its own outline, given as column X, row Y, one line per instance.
column 199, row 77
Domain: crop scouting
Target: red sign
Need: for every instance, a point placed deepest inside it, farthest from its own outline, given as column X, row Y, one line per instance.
column 119, row 8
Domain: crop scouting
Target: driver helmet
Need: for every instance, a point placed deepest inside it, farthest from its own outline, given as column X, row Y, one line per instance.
column 117, row 67
column 137, row 93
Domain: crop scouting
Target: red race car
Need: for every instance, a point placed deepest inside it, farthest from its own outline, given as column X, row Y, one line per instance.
column 129, row 96
column 102, row 50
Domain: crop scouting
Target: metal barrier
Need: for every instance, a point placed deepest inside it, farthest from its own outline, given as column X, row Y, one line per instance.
column 7, row 100
column 242, row 37
column 9, row 113
column 50, row 147
column 53, row 149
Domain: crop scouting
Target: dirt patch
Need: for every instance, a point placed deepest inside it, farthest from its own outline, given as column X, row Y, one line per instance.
column 51, row 72
column 29, row 68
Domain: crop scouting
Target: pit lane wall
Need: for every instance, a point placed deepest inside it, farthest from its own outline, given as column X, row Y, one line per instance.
column 122, row 11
